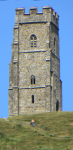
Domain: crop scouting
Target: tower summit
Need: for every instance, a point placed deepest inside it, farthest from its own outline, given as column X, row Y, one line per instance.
column 34, row 69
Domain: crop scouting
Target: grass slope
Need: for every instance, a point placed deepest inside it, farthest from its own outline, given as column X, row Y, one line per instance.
column 53, row 131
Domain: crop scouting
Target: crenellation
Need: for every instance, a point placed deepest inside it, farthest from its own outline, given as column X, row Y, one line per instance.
column 20, row 11
column 46, row 9
column 57, row 16
column 47, row 13
column 34, row 15
column 53, row 13
column 33, row 10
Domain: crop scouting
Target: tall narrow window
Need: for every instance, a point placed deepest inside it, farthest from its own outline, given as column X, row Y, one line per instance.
column 57, row 105
column 32, row 98
column 49, row 44
column 33, row 40
column 32, row 79
column 54, row 44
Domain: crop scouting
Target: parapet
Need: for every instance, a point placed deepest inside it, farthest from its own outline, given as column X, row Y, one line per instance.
column 47, row 14
column 34, row 10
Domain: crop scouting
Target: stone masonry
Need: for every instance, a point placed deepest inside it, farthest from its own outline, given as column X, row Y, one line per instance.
column 34, row 69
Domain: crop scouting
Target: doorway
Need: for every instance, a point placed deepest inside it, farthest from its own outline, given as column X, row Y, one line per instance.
column 57, row 105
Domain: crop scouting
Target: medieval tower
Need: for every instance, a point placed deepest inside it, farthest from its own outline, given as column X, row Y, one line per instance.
column 34, row 69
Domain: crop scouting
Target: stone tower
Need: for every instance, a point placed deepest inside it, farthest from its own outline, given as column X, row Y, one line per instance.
column 34, row 70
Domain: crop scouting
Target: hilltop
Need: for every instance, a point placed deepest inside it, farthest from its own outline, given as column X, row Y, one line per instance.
column 52, row 131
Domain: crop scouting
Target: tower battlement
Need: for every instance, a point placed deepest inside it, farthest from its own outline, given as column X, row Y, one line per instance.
column 47, row 14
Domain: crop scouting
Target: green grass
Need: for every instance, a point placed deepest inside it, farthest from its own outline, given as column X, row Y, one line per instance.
column 53, row 131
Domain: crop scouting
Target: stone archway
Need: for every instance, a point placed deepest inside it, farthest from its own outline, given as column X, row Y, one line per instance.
column 57, row 105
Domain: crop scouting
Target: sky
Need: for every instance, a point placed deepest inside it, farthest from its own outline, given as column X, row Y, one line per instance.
column 64, row 8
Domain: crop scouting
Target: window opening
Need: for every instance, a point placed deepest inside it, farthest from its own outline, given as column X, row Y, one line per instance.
column 49, row 44
column 33, row 40
column 57, row 105
column 32, row 98
column 54, row 44
column 32, row 79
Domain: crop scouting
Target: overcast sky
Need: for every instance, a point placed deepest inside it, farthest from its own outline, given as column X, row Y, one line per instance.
column 64, row 8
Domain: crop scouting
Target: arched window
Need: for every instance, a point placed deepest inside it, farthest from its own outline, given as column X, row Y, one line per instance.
column 32, row 79
column 33, row 40
column 32, row 98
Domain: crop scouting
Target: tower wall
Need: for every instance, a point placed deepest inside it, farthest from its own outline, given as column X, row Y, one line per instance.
column 25, row 100
column 41, row 61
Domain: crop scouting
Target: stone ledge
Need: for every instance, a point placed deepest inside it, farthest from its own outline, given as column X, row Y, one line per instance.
column 32, row 22
column 33, row 51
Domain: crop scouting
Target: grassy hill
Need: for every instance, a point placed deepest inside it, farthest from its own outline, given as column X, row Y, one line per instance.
column 53, row 131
